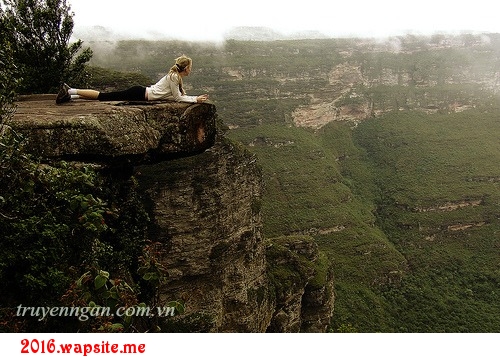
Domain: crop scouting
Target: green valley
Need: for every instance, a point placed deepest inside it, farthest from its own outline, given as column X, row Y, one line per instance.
column 385, row 152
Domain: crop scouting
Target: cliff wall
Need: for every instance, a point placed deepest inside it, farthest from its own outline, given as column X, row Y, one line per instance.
column 202, row 193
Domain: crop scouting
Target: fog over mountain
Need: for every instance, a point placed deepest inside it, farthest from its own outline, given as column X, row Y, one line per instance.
column 243, row 33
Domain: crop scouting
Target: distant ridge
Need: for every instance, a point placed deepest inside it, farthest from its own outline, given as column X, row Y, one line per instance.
column 241, row 33
column 94, row 33
column 250, row 33
column 102, row 33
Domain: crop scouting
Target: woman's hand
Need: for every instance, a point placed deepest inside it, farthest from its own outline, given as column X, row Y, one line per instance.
column 202, row 98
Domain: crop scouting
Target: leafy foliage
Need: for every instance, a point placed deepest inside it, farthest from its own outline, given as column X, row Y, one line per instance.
column 96, row 289
column 8, row 81
column 39, row 33
column 58, row 221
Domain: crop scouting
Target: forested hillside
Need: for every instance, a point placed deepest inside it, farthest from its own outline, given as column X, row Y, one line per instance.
column 384, row 151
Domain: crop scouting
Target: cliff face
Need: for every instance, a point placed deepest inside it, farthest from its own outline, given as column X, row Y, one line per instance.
column 302, row 281
column 202, row 193
column 205, row 214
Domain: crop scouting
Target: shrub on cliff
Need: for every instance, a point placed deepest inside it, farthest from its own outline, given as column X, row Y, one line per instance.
column 8, row 81
column 57, row 222
column 39, row 32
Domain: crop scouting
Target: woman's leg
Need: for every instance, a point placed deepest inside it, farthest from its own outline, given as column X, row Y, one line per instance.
column 135, row 93
column 66, row 94
column 85, row 93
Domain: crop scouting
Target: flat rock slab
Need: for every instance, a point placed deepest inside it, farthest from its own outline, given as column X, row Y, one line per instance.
column 143, row 131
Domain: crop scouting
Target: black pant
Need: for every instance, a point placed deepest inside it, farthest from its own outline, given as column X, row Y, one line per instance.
column 136, row 93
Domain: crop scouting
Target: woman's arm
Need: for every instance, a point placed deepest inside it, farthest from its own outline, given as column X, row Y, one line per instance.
column 173, row 81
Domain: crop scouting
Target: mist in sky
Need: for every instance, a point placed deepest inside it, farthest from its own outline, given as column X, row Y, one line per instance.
column 199, row 20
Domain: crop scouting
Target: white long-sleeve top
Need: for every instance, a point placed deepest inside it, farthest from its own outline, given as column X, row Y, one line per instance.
column 168, row 88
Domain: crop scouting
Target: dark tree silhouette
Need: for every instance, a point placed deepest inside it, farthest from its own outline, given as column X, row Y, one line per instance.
column 39, row 34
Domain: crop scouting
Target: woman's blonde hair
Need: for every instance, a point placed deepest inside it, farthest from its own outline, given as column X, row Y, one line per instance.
column 180, row 65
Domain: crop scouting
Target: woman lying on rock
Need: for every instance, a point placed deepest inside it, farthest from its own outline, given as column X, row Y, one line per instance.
column 167, row 88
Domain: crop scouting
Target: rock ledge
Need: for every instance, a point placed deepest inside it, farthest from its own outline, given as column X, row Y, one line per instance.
column 143, row 131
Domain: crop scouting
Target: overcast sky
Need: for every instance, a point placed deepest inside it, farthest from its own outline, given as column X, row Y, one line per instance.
column 209, row 20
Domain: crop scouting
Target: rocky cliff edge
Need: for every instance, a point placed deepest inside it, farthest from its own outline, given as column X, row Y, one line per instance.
column 136, row 131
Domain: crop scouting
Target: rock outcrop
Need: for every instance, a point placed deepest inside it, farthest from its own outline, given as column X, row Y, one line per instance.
column 107, row 131
column 302, row 282
column 202, row 193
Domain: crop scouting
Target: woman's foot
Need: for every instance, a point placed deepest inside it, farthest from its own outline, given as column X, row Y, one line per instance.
column 63, row 96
